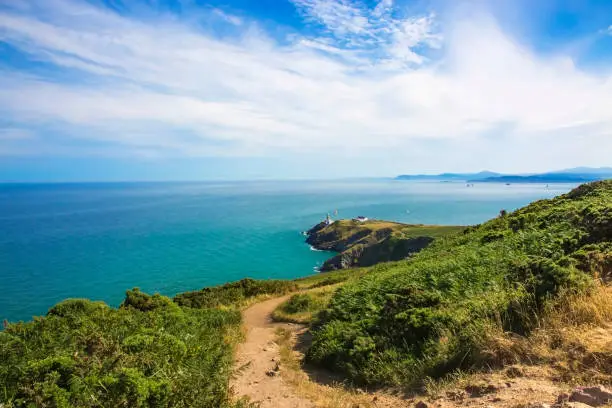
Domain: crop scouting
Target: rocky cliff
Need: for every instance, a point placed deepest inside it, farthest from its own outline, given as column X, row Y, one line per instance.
column 371, row 242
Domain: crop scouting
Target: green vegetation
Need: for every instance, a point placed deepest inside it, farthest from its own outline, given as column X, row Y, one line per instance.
column 148, row 353
column 434, row 231
column 331, row 278
column 234, row 293
column 434, row 313
column 302, row 307
column 316, row 292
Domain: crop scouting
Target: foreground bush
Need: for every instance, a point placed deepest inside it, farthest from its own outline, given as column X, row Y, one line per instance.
column 148, row 353
column 430, row 315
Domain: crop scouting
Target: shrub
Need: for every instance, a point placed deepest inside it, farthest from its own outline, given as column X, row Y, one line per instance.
column 300, row 302
column 76, row 307
column 145, row 303
column 234, row 292
column 148, row 353
column 302, row 307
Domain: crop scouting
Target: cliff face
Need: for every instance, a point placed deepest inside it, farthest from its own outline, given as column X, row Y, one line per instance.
column 370, row 242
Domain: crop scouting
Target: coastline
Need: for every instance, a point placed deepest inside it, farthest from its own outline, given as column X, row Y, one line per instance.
column 172, row 237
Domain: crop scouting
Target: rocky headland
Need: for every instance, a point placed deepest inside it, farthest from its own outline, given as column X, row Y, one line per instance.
column 365, row 243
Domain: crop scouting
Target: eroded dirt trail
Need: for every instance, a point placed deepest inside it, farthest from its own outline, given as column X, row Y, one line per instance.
column 261, row 376
column 258, row 373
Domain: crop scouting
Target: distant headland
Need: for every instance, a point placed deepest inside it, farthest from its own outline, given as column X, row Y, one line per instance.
column 574, row 175
column 362, row 242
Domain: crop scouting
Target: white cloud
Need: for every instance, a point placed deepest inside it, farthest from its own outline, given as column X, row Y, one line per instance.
column 340, row 17
column 235, row 20
column 167, row 88
column 373, row 32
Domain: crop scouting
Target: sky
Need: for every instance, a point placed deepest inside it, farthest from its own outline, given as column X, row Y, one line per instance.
column 95, row 90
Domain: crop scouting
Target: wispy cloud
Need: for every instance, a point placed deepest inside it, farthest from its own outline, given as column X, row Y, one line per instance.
column 359, row 86
column 373, row 31
column 235, row 20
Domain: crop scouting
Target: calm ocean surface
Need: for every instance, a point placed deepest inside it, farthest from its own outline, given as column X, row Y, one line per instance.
column 97, row 240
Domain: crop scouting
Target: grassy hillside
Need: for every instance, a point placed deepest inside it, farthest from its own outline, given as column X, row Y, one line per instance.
column 433, row 313
column 371, row 242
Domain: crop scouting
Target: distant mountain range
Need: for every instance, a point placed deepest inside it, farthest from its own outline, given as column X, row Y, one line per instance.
column 450, row 176
column 575, row 175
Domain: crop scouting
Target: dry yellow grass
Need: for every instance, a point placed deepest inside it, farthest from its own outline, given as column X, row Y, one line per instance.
column 324, row 396
column 574, row 340
column 594, row 308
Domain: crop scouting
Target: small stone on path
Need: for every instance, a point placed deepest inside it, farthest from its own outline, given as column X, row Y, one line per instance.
column 421, row 404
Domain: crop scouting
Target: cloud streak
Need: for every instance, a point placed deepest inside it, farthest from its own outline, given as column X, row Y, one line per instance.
column 362, row 83
column 374, row 33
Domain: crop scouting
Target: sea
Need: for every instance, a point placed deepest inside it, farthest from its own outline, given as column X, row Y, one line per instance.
column 96, row 240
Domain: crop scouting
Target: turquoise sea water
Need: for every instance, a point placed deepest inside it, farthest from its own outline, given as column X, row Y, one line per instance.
column 97, row 240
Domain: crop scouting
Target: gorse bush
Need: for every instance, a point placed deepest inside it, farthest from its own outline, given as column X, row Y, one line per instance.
column 429, row 315
column 234, row 292
column 300, row 302
column 302, row 307
column 145, row 303
column 148, row 353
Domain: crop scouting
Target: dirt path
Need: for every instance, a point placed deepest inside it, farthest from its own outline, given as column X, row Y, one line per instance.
column 258, row 359
column 261, row 376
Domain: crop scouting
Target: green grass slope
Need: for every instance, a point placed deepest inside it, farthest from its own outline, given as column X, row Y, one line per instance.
column 432, row 314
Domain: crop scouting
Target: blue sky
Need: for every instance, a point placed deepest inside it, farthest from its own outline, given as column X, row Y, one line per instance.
column 191, row 89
